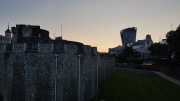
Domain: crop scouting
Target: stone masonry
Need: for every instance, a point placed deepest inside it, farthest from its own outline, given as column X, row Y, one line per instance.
column 28, row 71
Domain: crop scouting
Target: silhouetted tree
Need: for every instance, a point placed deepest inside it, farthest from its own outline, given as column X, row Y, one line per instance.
column 159, row 50
column 173, row 39
column 127, row 53
column 137, row 54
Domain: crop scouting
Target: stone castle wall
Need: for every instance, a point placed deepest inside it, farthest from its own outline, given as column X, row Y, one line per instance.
column 28, row 71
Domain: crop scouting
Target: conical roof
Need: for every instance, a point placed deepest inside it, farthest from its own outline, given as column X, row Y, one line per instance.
column 8, row 31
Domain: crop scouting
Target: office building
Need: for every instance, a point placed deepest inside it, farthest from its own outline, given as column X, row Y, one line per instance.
column 128, row 35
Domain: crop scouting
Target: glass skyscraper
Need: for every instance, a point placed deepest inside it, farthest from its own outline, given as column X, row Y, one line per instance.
column 128, row 35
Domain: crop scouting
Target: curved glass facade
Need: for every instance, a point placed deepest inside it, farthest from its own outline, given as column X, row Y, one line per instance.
column 128, row 35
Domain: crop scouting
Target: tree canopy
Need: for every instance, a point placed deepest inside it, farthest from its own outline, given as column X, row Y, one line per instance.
column 159, row 50
column 127, row 53
column 173, row 39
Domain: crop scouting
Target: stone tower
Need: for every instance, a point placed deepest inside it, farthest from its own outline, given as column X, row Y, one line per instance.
column 148, row 41
column 8, row 35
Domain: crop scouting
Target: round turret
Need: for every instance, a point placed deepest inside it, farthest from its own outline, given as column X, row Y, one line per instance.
column 8, row 34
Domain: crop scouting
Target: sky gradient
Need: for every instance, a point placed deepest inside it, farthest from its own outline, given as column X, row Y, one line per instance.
column 93, row 22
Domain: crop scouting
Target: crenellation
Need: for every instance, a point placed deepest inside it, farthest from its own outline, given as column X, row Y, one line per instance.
column 18, row 47
column 52, row 47
column 80, row 49
column 1, row 48
column 7, row 48
column 13, row 46
column 25, row 46
column 93, row 50
column 87, row 49
column 65, row 48
column 4, row 48
column 58, row 47
column 71, row 48
column 45, row 47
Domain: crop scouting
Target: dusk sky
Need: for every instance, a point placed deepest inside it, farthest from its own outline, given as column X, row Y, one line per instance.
column 93, row 22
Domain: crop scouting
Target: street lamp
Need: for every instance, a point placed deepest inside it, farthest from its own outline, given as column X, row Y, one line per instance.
column 55, row 75
column 79, row 90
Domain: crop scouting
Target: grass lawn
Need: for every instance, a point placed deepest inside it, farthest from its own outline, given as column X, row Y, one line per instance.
column 129, row 87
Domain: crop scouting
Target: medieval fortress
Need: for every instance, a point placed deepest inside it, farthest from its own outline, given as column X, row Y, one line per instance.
column 37, row 68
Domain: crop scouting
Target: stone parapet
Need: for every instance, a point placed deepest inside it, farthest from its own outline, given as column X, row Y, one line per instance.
column 70, row 48
column 45, row 47
column 58, row 47
column 87, row 49
column 18, row 47
column 2, row 48
column 93, row 50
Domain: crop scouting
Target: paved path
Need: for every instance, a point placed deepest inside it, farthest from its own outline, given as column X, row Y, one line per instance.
column 169, row 78
column 147, row 73
column 136, row 72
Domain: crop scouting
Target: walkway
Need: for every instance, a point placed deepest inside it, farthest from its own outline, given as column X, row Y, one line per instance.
column 146, row 72
column 169, row 78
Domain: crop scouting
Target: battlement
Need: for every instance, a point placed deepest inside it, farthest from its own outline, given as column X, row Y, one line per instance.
column 93, row 50
column 18, row 47
column 87, row 49
column 58, row 47
column 48, row 47
column 45, row 47
column 90, row 50
column 1, row 48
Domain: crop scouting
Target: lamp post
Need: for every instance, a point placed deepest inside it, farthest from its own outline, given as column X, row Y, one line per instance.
column 97, row 76
column 79, row 90
column 55, row 76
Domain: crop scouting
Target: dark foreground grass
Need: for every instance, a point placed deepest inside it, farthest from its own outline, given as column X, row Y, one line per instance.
column 129, row 87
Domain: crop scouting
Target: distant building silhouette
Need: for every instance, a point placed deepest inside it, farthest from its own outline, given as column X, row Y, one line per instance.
column 141, row 42
column 116, row 50
column 142, row 46
column 148, row 41
column 28, row 32
column 164, row 42
column 7, row 38
column 128, row 35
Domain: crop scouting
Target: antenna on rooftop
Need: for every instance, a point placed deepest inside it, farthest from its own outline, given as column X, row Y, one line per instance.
column 159, row 38
column 54, row 35
column 61, row 30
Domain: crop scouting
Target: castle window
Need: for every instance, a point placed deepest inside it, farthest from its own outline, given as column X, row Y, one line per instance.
column 74, row 73
column 24, row 72
column 9, row 71
column 30, row 46
column 59, row 71
column 41, row 72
